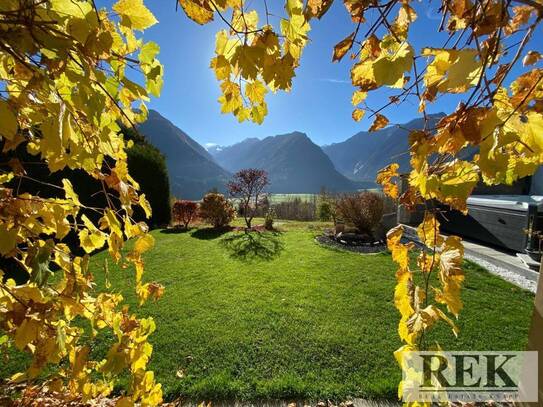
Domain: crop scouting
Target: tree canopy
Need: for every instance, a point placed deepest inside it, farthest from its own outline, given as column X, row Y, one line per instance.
column 64, row 90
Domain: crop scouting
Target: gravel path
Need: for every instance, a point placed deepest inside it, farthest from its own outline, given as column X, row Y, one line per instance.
column 507, row 274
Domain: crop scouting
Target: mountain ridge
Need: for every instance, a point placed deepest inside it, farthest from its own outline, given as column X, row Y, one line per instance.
column 280, row 156
column 362, row 155
column 191, row 168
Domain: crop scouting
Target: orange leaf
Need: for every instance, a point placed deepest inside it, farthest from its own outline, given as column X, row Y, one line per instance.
column 379, row 122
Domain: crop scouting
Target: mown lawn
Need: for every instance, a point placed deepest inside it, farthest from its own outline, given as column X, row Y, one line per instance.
column 278, row 316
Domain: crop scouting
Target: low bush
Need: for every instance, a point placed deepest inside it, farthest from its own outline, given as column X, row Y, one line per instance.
column 363, row 210
column 184, row 212
column 268, row 219
column 325, row 211
column 216, row 210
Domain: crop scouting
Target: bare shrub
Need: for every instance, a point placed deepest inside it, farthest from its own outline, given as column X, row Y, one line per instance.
column 363, row 210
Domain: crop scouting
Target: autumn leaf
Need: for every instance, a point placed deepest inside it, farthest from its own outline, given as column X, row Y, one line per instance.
column 531, row 58
column 379, row 122
column 8, row 120
column 358, row 97
column 384, row 177
column 9, row 239
column 198, row 11
column 452, row 71
column 255, row 91
column 428, row 231
column 70, row 193
column 148, row 52
column 134, row 14
column 317, row 8
column 222, row 67
column 144, row 243
column 342, row 47
column 358, row 114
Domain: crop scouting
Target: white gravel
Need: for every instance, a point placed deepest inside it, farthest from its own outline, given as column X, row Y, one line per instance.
column 511, row 276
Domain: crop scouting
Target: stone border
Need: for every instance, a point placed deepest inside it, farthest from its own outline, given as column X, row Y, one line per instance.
column 519, row 276
column 329, row 243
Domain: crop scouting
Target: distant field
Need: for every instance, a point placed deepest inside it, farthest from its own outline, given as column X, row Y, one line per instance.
column 278, row 198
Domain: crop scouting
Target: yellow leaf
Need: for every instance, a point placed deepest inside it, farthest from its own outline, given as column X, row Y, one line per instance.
column 399, row 250
column 134, row 14
column 244, row 22
column 91, row 238
column 452, row 71
column 358, row 114
column 390, row 67
column 358, row 97
column 148, row 52
column 379, row 122
column 255, row 91
column 144, row 203
column 453, row 184
column 221, row 66
column 259, row 112
column 8, row 120
column 6, row 177
column 295, row 29
column 8, row 240
column 342, row 47
column 144, row 243
column 70, row 193
column 26, row 333
column 387, row 69
column 428, row 231
column 384, row 177
column 451, row 275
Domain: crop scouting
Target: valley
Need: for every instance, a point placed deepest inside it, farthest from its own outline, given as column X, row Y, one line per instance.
column 295, row 164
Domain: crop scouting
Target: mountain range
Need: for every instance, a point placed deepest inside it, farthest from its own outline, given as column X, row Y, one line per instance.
column 192, row 170
column 294, row 163
column 361, row 156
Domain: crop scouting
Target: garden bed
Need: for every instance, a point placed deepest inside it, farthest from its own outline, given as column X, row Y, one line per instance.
column 368, row 248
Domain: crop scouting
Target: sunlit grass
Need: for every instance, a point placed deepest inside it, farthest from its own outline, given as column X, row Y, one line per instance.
column 275, row 315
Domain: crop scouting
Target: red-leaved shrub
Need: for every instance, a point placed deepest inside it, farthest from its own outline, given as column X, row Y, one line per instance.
column 183, row 212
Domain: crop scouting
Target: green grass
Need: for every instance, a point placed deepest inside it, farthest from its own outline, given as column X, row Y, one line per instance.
column 269, row 315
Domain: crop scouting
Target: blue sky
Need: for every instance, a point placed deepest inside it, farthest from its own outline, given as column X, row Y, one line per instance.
column 319, row 103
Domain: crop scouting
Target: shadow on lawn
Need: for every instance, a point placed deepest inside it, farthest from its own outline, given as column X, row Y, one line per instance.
column 175, row 230
column 253, row 245
column 210, row 233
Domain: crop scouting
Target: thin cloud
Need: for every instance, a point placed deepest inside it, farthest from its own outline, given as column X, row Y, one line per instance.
column 332, row 80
